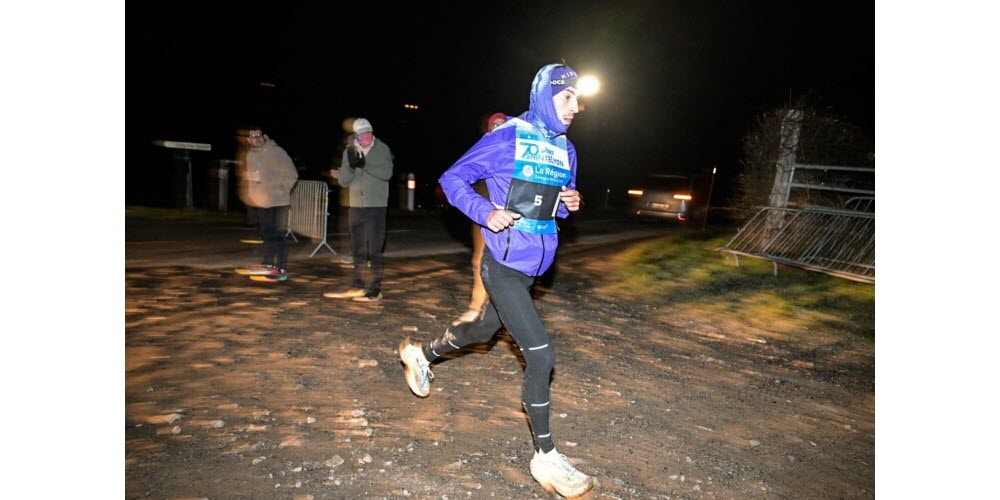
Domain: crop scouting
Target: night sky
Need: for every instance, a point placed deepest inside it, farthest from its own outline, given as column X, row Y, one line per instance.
column 681, row 81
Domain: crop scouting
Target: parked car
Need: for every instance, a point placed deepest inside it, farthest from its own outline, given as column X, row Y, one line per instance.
column 663, row 196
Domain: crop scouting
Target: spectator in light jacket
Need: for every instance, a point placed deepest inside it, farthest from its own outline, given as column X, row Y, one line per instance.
column 365, row 170
column 267, row 179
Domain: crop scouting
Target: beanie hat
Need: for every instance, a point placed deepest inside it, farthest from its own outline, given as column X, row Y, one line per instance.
column 361, row 126
column 495, row 117
column 562, row 77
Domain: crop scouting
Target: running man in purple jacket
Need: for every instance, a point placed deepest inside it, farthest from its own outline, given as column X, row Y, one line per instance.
column 530, row 171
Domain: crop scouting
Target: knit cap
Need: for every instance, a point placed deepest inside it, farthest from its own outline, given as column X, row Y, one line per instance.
column 562, row 77
column 361, row 126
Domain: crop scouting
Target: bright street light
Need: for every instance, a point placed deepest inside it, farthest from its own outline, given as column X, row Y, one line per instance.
column 588, row 85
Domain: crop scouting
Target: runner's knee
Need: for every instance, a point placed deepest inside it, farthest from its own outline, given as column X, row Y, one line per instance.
column 540, row 359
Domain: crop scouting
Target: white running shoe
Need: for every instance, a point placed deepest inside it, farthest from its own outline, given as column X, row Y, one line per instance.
column 555, row 474
column 416, row 368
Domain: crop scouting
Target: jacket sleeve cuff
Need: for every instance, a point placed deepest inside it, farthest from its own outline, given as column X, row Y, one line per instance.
column 482, row 212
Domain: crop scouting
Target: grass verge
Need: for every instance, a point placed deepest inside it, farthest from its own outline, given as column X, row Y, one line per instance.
column 684, row 270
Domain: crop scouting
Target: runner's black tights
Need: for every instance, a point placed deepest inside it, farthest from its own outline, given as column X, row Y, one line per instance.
column 511, row 306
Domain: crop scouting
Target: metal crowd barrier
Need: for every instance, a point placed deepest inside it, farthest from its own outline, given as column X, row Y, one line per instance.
column 307, row 213
column 836, row 242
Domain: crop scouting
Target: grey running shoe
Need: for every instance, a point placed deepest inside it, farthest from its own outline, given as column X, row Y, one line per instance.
column 416, row 368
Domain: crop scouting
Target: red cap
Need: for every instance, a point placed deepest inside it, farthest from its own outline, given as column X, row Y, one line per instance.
column 495, row 120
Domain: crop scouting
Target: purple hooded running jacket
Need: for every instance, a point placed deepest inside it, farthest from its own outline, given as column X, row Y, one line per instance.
column 525, row 163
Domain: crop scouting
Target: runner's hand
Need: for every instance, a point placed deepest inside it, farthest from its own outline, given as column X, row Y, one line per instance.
column 571, row 198
column 501, row 219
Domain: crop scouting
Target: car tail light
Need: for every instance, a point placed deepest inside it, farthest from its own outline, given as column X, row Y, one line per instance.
column 635, row 192
column 682, row 197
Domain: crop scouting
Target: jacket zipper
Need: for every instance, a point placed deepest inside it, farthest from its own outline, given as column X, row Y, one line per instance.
column 362, row 186
column 542, row 236
column 506, row 250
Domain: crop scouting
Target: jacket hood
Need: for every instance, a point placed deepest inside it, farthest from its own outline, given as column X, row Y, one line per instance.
column 268, row 145
column 541, row 110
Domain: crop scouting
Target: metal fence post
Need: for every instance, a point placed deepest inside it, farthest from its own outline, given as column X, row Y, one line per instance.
column 411, row 186
column 708, row 203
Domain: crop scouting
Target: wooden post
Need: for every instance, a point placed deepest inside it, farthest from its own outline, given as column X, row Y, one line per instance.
column 784, row 169
column 791, row 126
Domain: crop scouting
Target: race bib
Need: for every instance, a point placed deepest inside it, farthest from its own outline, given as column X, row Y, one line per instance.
column 541, row 169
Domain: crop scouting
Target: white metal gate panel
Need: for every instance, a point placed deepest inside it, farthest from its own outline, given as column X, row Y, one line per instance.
column 307, row 212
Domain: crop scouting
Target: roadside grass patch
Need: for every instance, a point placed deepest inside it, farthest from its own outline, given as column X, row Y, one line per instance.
column 686, row 271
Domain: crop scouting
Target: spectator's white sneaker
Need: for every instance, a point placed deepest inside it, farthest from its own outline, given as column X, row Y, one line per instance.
column 369, row 297
column 349, row 262
column 555, row 474
column 347, row 294
column 254, row 270
column 416, row 368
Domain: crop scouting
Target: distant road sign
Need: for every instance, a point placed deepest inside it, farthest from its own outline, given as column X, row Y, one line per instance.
column 195, row 146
